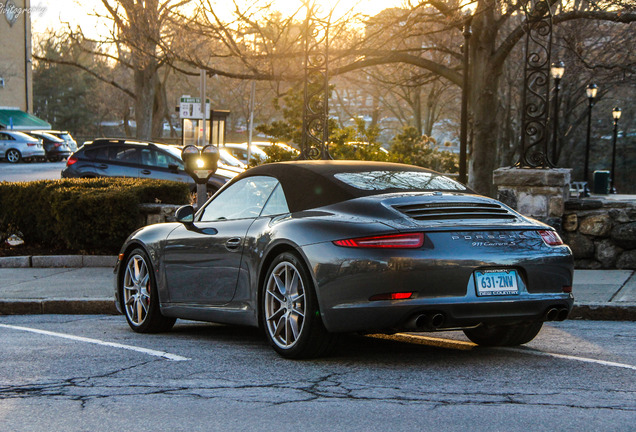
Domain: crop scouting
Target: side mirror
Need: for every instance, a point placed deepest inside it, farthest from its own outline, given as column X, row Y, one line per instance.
column 185, row 214
column 174, row 168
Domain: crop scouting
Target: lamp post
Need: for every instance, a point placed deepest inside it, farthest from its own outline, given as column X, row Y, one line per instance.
column 616, row 114
column 556, row 71
column 590, row 92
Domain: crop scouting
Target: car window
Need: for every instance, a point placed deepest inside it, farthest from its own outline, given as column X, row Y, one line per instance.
column 148, row 157
column 165, row 160
column 5, row 137
column 276, row 204
column 156, row 158
column 244, row 199
column 98, row 153
column 125, row 154
column 398, row 180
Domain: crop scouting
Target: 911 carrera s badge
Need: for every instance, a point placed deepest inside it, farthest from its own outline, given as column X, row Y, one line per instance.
column 490, row 239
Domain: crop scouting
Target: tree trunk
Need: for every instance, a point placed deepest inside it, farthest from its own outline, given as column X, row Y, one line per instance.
column 145, row 88
column 483, row 101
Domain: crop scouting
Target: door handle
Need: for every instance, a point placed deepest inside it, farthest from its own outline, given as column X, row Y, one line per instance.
column 233, row 244
column 102, row 166
column 146, row 171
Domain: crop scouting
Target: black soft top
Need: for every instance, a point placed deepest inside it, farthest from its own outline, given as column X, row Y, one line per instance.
column 311, row 184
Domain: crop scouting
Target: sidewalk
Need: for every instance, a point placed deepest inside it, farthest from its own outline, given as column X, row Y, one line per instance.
column 78, row 284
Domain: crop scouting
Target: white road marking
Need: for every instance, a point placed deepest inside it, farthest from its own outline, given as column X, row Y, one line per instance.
column 569, row 357
column 151, row 352
column 462, row 345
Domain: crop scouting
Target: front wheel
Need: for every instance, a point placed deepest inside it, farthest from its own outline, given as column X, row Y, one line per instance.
column 290, row 314
column 138, row 294
column 13, row 156
column 504, row 335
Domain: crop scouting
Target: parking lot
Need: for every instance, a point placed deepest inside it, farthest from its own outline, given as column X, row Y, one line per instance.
column 91, row 372
column 30, row 171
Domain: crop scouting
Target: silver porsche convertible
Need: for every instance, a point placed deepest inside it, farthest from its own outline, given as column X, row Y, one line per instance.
column 309, row 249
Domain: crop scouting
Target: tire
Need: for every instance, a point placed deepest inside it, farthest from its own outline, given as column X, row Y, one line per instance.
column 13, row 156
column 504, row 335
column 289, row 311
column 139, row 297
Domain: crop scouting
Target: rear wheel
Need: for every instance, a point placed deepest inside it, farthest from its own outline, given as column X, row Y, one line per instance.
column 13, row 156
column 290, row 314
column 504, row 335
column 138, row 294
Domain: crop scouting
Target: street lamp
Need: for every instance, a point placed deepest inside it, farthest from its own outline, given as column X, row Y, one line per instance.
column 590, row 92
column 556, row 71
column 616, row 114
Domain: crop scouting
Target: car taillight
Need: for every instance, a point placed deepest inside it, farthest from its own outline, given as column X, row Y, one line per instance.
column 551, row 238
column 31, row 144
column 395, row 241
column 57, row 145
column 70, row 161
column 392, row 296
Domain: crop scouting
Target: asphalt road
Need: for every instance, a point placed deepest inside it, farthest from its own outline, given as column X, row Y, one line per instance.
column 30, row 171
column 575, row 376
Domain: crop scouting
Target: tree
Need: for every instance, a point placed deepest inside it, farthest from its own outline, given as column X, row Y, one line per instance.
column 63, row 95
column 497, row 27
column 141, row 31
column 411, row 147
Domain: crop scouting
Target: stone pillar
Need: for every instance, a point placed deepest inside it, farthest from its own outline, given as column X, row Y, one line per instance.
column 538, row 193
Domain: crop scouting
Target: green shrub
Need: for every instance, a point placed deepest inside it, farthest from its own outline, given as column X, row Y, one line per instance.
column 93, row 215
column 409, row 147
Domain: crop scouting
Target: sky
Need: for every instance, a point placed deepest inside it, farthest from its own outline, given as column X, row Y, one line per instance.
column 50, row 14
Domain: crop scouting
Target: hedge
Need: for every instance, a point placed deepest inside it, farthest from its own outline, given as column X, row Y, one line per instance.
column 86, row 215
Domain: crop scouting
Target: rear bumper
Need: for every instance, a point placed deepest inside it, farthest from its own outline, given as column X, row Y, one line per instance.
column 455, row 313
column 440, row 280
column 32, row 152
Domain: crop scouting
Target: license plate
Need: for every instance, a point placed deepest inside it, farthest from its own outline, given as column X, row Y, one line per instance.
column 496, row 282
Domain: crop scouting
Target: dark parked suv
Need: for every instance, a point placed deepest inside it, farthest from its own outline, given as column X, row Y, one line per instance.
column 127, row 158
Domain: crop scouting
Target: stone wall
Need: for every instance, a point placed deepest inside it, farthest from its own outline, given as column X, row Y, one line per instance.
column 601, row 233
column 538, row 193
column 156, row 213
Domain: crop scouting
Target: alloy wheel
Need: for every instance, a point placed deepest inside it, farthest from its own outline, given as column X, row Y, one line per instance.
column 13, row 156
column 285, row 305
column 136, row 290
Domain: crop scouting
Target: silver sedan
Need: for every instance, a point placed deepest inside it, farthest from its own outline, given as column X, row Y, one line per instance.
column 16, row 146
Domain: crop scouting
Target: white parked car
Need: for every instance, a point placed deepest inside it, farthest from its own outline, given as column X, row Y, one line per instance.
column 265, row 144
column 16, row 146
column 239, row 151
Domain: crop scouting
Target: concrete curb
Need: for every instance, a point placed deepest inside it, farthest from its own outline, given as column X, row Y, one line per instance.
column 56, row 261
column 604, row 312
column 61, row 307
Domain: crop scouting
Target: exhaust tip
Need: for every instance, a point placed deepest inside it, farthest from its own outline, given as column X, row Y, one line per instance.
column 552, row 314
column 437, row 320
column 431, row 321
column 562, row 315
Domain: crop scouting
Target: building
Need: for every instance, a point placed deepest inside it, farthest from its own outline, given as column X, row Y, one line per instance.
column 16, row 85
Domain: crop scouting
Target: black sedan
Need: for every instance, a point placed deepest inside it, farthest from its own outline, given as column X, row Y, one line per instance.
column 55, row 148
column 310, row 249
